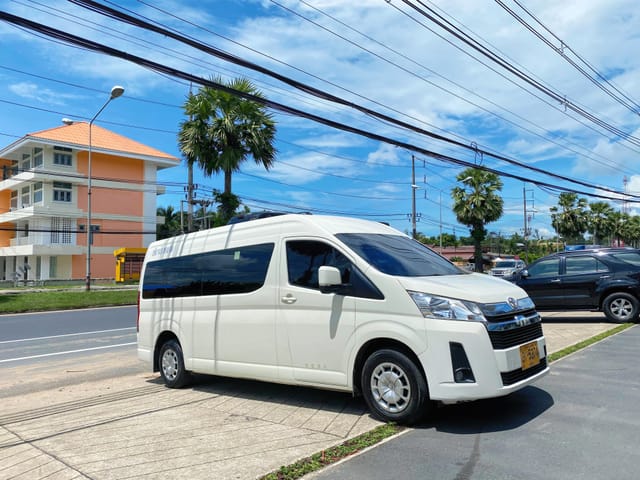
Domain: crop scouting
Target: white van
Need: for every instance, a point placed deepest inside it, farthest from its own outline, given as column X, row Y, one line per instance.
column 336, row 303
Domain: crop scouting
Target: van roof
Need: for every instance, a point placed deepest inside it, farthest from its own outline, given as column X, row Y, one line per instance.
column 329, row 223
column 262, row 230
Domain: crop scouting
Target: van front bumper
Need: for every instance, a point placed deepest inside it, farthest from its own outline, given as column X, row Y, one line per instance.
column 500, row 361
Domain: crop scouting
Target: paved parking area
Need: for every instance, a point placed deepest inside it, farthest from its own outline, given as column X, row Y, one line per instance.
column 133, row 427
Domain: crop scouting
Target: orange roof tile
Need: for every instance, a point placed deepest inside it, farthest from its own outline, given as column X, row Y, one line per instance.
column 77, row 133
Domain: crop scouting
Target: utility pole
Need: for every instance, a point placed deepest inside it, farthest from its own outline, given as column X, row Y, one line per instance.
column 413, row 198
column 440, row 198
column 527, row 222
column 190, row 183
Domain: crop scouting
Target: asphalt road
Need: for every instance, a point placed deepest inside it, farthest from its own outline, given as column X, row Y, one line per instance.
column 34, row 337
column 40, row 350
column 579, row 422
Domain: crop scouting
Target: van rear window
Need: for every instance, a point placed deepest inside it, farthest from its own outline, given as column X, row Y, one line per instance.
column 399, row 255
column 222, row 272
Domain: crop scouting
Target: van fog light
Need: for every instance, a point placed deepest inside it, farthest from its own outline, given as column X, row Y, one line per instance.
column 462, row 372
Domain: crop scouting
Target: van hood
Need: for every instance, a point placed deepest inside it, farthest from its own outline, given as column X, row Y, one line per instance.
column 475, row 287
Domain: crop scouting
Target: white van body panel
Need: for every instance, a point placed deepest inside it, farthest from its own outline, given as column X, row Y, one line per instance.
column 286, row 333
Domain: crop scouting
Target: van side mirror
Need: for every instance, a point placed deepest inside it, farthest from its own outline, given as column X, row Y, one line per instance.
column 329, row 279
column 524, row 273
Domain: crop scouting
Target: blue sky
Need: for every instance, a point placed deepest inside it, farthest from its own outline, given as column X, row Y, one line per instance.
column 382, row 55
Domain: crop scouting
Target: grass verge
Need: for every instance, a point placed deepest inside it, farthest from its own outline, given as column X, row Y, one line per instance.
column 589, row 341
column 63, row 300
column 333, row 454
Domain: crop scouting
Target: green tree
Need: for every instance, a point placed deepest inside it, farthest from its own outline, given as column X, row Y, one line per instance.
column 630, row 230
column 477, row 206
column 223, row 131
column 171, row 225
column 599, row 221
column 569, row 217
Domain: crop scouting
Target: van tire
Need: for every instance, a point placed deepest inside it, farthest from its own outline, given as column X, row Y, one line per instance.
column 394, row 388
column 171, row 363
column 620, row 307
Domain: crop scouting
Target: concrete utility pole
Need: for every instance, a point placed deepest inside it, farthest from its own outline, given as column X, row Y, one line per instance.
column 413, row 197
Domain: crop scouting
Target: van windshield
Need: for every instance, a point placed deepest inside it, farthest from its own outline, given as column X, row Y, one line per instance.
column 398, row 255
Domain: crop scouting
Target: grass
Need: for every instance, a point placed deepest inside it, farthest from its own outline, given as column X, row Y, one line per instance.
column 38, row 301
column 333, row 454
column 589, row 341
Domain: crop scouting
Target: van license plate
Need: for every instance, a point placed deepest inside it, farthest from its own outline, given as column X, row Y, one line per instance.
column 529, row 355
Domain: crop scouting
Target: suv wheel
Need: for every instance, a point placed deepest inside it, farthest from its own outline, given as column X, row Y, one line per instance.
column 621, row 307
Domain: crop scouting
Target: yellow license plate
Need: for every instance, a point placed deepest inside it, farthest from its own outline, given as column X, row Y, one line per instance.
column 529, row 355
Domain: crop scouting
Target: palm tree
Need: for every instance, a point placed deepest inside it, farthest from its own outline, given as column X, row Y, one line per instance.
column 171, row 225
column 569, row 218
column 629, row 229
column 599, row 220
column 478, row 206
column 224, row 130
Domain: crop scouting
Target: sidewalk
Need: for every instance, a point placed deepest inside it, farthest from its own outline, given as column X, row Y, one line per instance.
column 134, row 427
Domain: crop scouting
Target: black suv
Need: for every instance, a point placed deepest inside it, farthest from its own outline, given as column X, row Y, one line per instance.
column 605, row 279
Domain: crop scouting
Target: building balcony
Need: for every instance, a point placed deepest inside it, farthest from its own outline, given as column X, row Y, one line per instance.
column 50, row 210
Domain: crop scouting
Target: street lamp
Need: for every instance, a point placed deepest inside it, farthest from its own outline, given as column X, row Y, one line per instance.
column 116, row 91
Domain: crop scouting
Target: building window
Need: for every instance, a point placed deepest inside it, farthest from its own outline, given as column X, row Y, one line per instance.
column 62, row 156
column 38, row 157
column 53, row 267
column 61, row 230
column 14, row 199
column 26, row 196
column 37, row 192
column 25, row 164
column 61, row 192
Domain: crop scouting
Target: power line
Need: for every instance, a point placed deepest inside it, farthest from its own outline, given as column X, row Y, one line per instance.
column 437, row 19
column 94, row 46
column 465, row 98
column 599, row 80
column 111, row 13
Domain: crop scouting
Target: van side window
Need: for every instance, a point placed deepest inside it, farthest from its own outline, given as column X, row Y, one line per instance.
column 222, row 272
column 305, row 257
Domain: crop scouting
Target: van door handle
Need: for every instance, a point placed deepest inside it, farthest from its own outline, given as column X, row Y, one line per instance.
column 555, row 280
column 289, row 299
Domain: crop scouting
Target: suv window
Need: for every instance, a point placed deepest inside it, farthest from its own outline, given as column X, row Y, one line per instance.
column 584, row 264
column 545, row 268
column 305, row 257
column 628, row 257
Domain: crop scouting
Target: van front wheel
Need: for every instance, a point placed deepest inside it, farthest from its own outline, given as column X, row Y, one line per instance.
column 393, row 387
column 172, row 365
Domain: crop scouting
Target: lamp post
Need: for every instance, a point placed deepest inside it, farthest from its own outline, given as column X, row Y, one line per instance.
column 116, row 91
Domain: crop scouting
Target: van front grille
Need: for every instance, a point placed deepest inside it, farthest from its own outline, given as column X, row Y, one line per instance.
column 501, row 339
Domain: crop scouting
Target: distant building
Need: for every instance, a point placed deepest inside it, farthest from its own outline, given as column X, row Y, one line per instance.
column 43, row 201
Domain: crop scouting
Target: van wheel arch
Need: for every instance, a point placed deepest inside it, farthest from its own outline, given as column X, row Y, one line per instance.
column 163, row 338
column 394, row 387
column 381, row 344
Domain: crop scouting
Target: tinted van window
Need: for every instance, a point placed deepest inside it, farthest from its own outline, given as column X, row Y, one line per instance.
column 399, row 255
column 305, row 257
column 234, row 270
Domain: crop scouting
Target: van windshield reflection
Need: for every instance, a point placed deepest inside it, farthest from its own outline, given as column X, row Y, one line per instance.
column 399, row 255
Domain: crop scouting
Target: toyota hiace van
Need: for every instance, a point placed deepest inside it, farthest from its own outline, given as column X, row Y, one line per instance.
column 336, row 303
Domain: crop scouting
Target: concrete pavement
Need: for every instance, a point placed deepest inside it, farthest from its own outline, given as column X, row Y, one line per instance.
column 133, row 427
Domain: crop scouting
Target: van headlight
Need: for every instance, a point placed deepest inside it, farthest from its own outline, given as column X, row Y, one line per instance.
column 447, row 308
